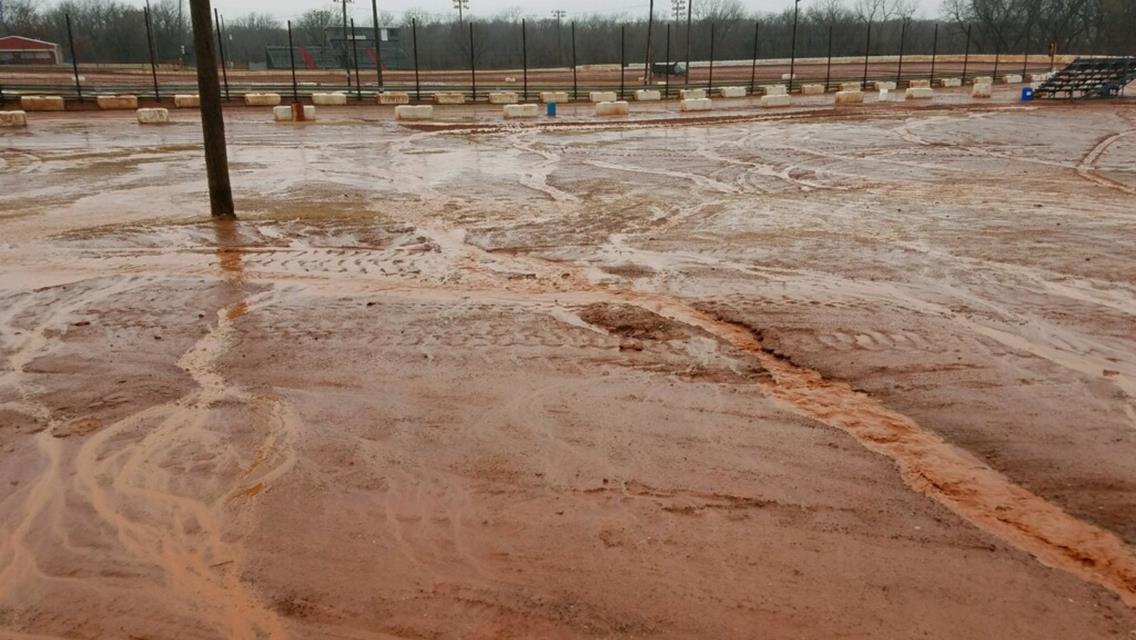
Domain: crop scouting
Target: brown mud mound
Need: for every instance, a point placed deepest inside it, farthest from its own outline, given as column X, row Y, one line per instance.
column 629, row 321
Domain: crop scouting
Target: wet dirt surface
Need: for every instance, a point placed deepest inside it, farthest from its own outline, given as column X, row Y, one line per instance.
column 866, row 374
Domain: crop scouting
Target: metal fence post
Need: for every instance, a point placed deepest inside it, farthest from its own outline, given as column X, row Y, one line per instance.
column 622, row 56
column 1025, row 56
column 934, row 53
column 378, row 42
column 417, row 81
column 575, row 86
column 355, row 57
column 74, row 57
column 689, row 13
column 966, row 55
column 997, row 56
column 828, row 67
column 221, row 47
column 667, row 87
column 150, row 46
column 793, row 54
column 753, row 63
column 292, row 60
column 472, row 67
column 647, row 54
column 867, row 52
column 525, row 59
column 902, row 37
column 710, row 83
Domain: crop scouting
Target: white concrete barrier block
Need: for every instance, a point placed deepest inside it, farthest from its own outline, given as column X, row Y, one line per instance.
column 521, row 111
column 414, row 112
column 851, row 86
column 919, row 93
column 949, row 83
column 788, row 76
column 42, row 103
column 732, row 92
column 394, row 97
column 559, row 97
column 1012, row 78
column 16, row 119
column 775, row 89
column 503, row 97
column 692, row 94
column 849, row 97
column 812, row 89
column 286, row 113
column 111, row 103
column 885, row 95
column 613, row 108
column 153, row 116
column 187, row 101
column 882, row 85
column 1039, row 77
column 337, row 99
column 602, row 96
column 776, row 101
column 696, row 104
column 449, row 97
column 982, row 80
column 648, row 95
column 262, row 99
column 919, row 84
column 982, row 91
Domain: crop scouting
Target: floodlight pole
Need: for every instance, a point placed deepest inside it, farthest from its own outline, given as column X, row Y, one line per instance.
column 793, row 54
column 647, row 54
column 378, row 42
column 212, row 117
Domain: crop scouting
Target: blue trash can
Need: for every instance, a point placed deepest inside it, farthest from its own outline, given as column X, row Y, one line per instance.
column 551, row 109
column 1027, row 94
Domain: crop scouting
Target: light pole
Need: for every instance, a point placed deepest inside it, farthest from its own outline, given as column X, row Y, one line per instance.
column 689, row 13
column 793, row 55
column 677, row 7
column 462, row 6
column 647, row 54
column 212, row 121
column 559, row 14
column 346, row 57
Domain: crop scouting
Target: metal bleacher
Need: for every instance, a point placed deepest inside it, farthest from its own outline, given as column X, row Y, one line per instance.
column 1090, row 78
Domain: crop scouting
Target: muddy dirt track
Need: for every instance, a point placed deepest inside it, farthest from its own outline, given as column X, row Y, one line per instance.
column 815, row 374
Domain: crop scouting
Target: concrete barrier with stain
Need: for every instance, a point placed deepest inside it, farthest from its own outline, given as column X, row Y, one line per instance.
column 262, row 99
column 812, row 89
column 511, row 111
column 692, row 94
column 117, row 103
column 449, row 97
column 919, row 93
column 286, row 112
column 337, row 99
column 983, row 90
column 153, row 116
column 950, row 83
column 1012, row 78
column 394, row 97
column 776, row 101
column 849, row 97
column 414, row 112
column 775, row 89
column 187, row 101
column 559, row 97
column 613, row 108
column 503, row 97
column 13, row 119
column 648, row 95
column 602, row 96
column 42, row 103
column 883, row 85
column 696, row 104
column 732, row 92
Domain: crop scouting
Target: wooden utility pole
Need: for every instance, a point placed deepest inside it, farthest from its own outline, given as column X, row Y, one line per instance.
column 212, row 117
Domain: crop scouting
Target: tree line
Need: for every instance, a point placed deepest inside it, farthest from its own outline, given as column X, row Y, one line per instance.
column 111, row 31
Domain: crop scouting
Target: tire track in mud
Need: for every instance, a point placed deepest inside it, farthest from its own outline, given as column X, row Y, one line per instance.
column 1087, row 169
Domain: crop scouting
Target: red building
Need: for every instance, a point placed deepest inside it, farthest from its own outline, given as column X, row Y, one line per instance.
column 21, row 50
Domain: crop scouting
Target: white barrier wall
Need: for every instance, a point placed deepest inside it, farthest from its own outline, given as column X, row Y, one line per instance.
column 16, row 119
column 602, row 96
column 559, row 97
column 394, row 97
column 849, row 97
column 42, row 103
column 449, row 97
column 948, row 83
column 521, row 111
column 262, row 99
column 503, row 97
column 336, row 99
column 613, row 108
column 851, row 86
column 982, row 91
column 111, row 103
column 776, row 101
column 916, row 84
column 920, row 93
column 775, row 89
column 284, row 113
column 696, row 104
column 692, row 94
column 187, row 101
column 732, row 92
column 648, row 95
column 153, row 116
column 812, row 89
column 882, row 85
column 414, row 112
column 1012, row 78
column 982, row 80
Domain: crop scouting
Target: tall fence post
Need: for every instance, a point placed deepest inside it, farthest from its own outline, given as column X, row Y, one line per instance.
column 212, row 118
column 575, row 86
column 346, row 57
column 710, row 83
column 378, row 42
column 622, row 56
column 997, row 57
column 828, row 66
column 74, row 57
column 867, row 52
column 355, row 58
column 417, row 80
column 525, row 59
column 689, row 14
column 647, row 54
column 472, row 67
column 934, row 53
column 793, row 53
column 966, row 54
column 292, row 61
column 667, row 87
column 1025, row 56
column 221, row 47
column 902, row 37
column 753, row 63
column 150, row 46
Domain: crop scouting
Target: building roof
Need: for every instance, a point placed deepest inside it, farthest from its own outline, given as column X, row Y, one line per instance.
column 20, row 43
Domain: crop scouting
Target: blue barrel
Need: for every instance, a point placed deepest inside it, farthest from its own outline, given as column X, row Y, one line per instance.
column 1027, row 94
column 551, row 109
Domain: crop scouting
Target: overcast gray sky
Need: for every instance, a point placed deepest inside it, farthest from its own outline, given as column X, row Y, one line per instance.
column 362, row 8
